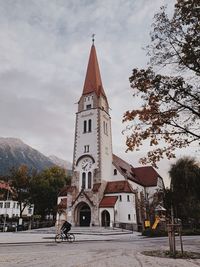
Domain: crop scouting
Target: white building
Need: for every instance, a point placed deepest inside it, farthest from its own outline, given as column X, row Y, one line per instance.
column 105, row 189
column 11, row 209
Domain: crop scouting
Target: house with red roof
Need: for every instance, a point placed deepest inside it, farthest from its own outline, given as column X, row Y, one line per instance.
column 9, row 206
column 105, row 189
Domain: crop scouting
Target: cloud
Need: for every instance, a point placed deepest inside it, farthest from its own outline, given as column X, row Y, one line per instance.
column 44, row 53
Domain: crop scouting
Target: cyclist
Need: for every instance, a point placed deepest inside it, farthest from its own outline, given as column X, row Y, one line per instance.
column 66, row 227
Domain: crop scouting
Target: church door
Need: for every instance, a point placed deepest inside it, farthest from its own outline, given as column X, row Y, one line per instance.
column 105, row 218
column 85, row 215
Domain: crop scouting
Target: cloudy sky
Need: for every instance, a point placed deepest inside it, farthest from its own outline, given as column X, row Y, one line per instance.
column 44, row 51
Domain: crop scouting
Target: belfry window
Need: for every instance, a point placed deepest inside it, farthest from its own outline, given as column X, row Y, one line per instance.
column 89, row 180
column 89, row 125
column 83, row 180
column 88, row 106
column 115, row 171
column 85, row 126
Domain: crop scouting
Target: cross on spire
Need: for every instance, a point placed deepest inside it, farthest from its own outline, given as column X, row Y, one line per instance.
column 93, row 38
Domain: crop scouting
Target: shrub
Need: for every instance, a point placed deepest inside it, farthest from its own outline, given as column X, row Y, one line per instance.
column 154, row 232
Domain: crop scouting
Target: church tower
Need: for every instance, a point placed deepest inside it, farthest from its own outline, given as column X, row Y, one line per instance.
column 93, row 146
column 92, row 159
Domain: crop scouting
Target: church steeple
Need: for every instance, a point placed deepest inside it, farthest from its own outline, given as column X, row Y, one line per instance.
column 93, row 81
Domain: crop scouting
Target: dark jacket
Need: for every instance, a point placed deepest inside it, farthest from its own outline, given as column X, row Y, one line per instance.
column 66, row 225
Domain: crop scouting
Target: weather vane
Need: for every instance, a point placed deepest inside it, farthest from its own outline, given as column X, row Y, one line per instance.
column 93, row 38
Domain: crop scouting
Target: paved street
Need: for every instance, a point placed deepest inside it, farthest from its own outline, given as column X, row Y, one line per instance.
column 91, row 249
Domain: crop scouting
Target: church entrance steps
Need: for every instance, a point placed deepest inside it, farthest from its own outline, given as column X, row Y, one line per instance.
column 93, row 230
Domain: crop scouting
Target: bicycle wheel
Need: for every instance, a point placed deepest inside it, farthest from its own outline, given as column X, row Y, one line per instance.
column 58, row 238
column 70, row 238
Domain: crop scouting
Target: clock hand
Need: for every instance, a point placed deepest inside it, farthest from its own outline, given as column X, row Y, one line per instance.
column 85, row 166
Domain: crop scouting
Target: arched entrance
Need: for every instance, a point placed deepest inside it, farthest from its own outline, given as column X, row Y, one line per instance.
column 84, row 214
column 105, row 218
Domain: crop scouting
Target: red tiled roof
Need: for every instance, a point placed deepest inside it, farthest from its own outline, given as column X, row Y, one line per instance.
column 124, row 168
column 93, row 81
column 118, row 187
column 108, row 201
column 5, row 186
column 145, row 176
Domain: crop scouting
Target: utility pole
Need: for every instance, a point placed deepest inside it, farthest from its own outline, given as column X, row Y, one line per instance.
column 5, row 214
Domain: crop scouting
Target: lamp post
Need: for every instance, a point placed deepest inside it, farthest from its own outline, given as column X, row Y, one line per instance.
column 5, row 214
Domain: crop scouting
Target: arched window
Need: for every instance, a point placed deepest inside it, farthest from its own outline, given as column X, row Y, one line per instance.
column 89, row 180
column 83, row 180
column 89, row 125
column 85, row 126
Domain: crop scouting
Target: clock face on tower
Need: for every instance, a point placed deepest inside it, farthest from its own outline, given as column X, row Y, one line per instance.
column 86, row 164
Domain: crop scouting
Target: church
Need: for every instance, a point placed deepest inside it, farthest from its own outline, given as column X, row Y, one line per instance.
column 105, row 190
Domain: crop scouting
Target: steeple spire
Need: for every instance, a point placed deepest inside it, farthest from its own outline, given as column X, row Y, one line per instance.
column 93, row 81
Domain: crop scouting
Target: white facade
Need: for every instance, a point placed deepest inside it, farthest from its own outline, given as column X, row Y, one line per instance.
column 117, row 176
column 139, row 188
column 105, row 146
column 124, row 208
column 87, row 137
column 93, row 140
column 11, row 209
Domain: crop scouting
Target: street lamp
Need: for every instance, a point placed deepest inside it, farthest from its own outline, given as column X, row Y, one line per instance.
column 5, row 214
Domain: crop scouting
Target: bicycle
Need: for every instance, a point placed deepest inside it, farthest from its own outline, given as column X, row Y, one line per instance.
column 62, row 237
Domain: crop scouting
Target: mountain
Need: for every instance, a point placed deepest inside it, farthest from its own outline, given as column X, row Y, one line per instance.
column 14, row 152
column 61, row 162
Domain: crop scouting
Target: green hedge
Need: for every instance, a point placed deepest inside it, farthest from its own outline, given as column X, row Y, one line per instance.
column 191, row 232
column 158, row 233
column 154, row 232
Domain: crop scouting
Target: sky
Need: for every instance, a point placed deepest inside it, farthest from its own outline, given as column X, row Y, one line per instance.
column 44, row 51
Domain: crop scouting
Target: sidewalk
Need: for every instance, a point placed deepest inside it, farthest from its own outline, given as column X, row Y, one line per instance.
column 46, row 235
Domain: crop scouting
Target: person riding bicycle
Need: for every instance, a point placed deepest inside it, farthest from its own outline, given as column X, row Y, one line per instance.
column 66, row 227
